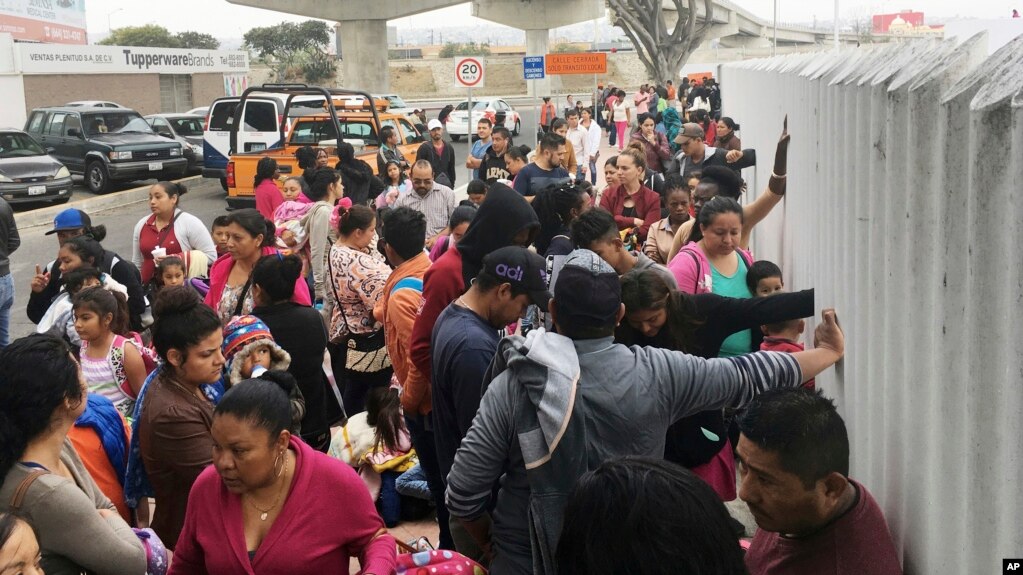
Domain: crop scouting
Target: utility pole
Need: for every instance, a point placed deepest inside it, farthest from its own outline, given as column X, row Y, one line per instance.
column 774, row 49
column 836, row 24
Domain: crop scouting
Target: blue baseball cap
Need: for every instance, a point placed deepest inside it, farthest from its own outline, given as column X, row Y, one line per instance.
column 70, row 219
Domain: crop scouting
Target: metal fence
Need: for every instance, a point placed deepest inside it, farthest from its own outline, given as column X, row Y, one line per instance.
column 905, row 211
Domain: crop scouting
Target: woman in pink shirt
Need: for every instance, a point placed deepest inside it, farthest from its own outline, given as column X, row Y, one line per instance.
column 268, row 195
column 272, row 504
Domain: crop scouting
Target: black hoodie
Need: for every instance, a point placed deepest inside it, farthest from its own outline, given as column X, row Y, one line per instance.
column 502, row 215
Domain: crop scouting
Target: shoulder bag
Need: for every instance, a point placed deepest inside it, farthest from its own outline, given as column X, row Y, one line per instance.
column 367, row 352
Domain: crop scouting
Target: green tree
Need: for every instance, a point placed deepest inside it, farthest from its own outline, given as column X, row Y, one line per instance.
column 452, row 49
column 288, row 45
column 566, row 49
column 149, row 35
column 195, row 40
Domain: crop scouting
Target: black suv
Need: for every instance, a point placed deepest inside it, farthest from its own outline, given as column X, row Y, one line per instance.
column 106, row 145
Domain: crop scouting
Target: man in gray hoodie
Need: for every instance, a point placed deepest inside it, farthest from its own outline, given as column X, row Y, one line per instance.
column 558, row 405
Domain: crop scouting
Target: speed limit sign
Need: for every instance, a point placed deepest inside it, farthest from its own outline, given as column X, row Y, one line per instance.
column 468, row 72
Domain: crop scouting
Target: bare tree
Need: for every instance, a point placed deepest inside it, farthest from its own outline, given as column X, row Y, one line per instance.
column 661, row 52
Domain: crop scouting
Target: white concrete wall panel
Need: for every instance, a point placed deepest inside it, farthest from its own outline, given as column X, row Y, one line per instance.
column 905, row 211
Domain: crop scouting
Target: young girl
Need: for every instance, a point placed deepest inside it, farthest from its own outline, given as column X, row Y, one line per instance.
column 112, row 360
column 377, row 444
column 170, row 272
column 396, row 183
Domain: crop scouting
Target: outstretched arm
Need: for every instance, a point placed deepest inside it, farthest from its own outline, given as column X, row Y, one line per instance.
column 758, row 210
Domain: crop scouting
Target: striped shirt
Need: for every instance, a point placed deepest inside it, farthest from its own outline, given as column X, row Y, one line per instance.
column 437, row 206
column 100, row 378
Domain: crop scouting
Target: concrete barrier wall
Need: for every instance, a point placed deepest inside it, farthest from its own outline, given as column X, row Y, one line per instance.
column 904, row 210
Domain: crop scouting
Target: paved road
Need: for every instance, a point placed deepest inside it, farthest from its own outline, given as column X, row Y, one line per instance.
column 204, row 199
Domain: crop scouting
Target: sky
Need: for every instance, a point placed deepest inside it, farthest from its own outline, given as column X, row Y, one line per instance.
column 225, row 20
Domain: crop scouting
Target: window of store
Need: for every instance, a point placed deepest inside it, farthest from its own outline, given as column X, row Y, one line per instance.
column 175, row 93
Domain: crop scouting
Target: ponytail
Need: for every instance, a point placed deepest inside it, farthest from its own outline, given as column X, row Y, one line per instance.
column 383, row 412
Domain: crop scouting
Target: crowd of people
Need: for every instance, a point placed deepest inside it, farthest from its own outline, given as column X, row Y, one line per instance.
column 571, row 379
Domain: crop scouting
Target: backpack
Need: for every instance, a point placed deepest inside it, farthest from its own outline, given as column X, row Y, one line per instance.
column 149, row 359
column 744, row 256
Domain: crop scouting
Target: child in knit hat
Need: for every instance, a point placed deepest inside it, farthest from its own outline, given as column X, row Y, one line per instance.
column 250, row 351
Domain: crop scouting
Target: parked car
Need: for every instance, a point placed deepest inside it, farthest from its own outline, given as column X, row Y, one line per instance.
column 261, row 129
column 200, row 111
column 497, row 111
column 395, row 105
column 186, row 129
column 93, row 104
column 28, row 173
column 106, row 145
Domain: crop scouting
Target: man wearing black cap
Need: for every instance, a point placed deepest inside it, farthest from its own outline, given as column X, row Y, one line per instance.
column 556, row 406
column 465, row 340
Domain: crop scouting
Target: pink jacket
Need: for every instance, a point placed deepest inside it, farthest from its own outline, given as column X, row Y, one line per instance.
column 326, row 518
column 692, row 270
column 222, row 269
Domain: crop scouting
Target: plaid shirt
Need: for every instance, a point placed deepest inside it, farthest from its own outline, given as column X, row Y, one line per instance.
column 436, row 206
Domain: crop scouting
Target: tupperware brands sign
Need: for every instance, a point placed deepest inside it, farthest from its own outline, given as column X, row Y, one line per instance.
column 58, row 59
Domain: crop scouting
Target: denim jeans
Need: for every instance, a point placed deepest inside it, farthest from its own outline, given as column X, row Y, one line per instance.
column 6, row 301
column 593, row 170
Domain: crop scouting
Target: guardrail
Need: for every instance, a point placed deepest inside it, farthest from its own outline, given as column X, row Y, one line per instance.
column 904, row 212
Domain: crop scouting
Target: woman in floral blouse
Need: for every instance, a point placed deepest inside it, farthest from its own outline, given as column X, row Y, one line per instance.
column 357, row 279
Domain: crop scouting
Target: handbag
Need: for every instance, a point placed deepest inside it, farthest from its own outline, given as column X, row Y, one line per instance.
column 367, row 352
column 424, row 559
column 156, row 553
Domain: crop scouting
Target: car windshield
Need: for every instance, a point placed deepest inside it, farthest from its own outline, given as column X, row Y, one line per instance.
column 18, row 146
column 396, row 102
column 476, row 106
column 115, row 123
column 187, row 127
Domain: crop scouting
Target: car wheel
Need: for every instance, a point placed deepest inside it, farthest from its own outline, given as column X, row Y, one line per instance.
column 223, row 183
column 455, row 137
column 515, row 132
column 97, row 178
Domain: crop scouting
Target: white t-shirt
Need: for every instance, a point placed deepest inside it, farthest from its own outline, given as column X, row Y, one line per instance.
column 620, row 111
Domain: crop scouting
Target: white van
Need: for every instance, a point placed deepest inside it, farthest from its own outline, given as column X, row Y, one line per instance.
column 260, row 129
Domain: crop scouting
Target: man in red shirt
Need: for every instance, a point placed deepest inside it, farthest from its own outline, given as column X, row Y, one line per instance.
column 794, row 466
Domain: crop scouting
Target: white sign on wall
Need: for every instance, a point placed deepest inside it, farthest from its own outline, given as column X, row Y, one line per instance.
column 65, row 59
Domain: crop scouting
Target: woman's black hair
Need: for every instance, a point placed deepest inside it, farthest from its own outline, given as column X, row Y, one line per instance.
column 354, row 172
column 445, row 112
column 716, row 206
column 357, row 217
column 261, row 401
column 87, row 249
column 644, row 117
column 729, row 123
column 612, row 161
column 173, row 189
column 461, row 215
column 37, row 376
column 276, row 276
column 591, row 226
column 182, row 320
column 253, row 222
column 383, row 411
column 74, row 279
column 646, row 516
column 345, row 152
column 306, row 156
column 647, row 291
column 102, row 302
column 518, row 153
column 320, row 181
column 265, row 170
column 553, row 206
column 165, row 263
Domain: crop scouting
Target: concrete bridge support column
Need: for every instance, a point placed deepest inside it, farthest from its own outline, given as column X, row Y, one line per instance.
column 538, row 44
column 364, row 55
